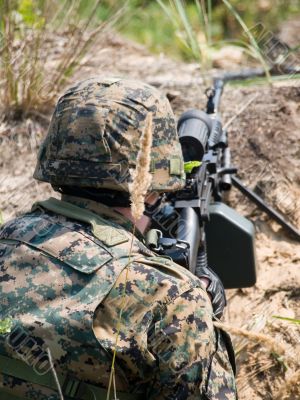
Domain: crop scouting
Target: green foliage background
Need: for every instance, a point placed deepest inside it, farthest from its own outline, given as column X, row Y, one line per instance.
column 183, row 29
column 146, row 23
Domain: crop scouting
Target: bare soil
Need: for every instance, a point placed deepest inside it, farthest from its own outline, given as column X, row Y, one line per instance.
column 265, row 142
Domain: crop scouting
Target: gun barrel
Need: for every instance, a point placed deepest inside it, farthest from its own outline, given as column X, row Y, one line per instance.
column 189, row 230
column 215, row 133
column 216, row 98
column 226, row 181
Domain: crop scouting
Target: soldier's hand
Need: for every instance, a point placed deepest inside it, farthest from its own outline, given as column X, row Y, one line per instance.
column 214, row 288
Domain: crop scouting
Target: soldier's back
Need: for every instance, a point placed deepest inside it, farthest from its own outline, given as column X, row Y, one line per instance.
column 67, row 290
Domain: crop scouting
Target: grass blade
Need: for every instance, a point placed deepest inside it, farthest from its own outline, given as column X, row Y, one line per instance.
column 250, row 37
column 188, row 29
column 294, row 321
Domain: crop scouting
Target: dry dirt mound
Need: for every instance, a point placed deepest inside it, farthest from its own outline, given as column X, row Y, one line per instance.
column 265, row 145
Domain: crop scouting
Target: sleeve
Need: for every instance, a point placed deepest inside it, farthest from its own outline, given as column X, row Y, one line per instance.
column 192, row 361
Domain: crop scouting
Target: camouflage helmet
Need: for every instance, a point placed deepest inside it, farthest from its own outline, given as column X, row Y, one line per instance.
column 94, row 137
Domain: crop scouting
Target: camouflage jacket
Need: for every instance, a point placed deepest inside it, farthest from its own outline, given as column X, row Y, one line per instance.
column 70, row 286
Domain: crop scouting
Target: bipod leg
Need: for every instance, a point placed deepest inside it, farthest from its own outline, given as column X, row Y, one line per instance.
column 265, row 207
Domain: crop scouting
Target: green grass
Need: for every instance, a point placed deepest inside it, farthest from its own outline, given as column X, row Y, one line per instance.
column 197, row 37
column 292, row 320
column 30, row 31
column 145, row 23
column 151, row 27
column 252, row 46
column 188, row 30
column 148, row 24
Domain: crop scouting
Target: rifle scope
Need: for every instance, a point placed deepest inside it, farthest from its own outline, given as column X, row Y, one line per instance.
column 194, row 127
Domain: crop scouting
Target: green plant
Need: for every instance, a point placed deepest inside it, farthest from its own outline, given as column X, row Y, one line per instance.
column 252, row 46
column 149, row 26
column 42, row 43
column 194, row 25
column 196, row 38
column 292, row 320
column 147, row 23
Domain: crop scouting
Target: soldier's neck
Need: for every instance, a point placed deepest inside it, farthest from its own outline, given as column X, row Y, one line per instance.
column 142, row 224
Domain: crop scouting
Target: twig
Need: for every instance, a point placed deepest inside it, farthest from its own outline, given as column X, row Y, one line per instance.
column 112, row 371
column 289, row 386
column 141, row 177
column 260, row 338
column 240, row 111
column 138, row 190
column 55, row 375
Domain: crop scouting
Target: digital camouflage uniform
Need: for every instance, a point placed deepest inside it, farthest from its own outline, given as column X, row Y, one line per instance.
column 63, row 270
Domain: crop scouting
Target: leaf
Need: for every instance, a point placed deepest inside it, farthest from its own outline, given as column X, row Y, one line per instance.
column 26, row 10
column 5, row 325
column 294, row 321
column 31, row 13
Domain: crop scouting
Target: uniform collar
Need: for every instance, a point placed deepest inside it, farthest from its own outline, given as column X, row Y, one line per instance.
column 104, row 211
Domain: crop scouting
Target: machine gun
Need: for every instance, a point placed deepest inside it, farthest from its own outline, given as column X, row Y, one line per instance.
column 193, row 226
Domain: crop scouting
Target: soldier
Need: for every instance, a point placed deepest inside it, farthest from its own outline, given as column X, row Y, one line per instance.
column 82, row 311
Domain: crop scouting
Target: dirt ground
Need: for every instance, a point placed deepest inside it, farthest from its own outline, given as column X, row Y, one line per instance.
column 265, row 142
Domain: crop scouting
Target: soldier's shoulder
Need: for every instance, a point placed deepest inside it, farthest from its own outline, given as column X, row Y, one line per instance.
column 57, row 237
column 38, row 223
column 162, row 273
